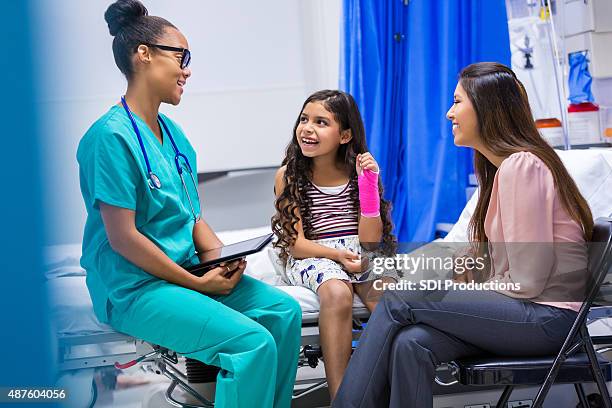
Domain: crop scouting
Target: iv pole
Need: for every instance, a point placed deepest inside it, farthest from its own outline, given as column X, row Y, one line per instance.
column 558, row 70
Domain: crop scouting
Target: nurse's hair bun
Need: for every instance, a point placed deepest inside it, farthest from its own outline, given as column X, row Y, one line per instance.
column 123, row 13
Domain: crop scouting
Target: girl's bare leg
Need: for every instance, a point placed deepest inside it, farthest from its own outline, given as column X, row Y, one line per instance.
column 368, row 294
column 335, row 329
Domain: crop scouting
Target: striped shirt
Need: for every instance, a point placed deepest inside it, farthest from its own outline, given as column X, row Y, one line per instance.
column 332, row 213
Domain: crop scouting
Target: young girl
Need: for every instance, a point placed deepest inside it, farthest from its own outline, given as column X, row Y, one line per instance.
column 329, row 200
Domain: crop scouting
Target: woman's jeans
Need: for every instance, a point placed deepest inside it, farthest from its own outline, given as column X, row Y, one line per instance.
column 409, row 334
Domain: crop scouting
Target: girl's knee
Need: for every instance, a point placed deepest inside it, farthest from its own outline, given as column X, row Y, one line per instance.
column 335, row 294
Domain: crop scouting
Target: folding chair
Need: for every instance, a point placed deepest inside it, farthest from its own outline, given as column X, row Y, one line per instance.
column 567, row 366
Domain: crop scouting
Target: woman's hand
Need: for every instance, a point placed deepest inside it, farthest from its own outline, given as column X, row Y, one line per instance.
column 222, row 279
column 350, row 261
column 366, row 161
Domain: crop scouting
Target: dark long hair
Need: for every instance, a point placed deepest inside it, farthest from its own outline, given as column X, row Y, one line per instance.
column 292, row 201
column 506, row 126
column 131, row 25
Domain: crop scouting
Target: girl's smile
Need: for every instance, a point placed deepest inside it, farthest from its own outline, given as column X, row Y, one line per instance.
column 318, row 132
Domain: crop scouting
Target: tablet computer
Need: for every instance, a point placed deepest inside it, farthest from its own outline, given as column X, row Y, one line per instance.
column 213, row 257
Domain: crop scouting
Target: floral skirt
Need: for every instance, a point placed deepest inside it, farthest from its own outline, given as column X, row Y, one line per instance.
column 312, row 272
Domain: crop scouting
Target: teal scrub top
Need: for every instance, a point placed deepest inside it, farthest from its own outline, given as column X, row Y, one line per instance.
column 112, row 170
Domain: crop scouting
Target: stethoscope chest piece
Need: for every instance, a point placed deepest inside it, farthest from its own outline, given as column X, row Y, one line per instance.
column 154, row 182
column 152, row 179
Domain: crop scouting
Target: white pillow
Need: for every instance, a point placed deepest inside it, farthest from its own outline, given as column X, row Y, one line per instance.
column 264, row 265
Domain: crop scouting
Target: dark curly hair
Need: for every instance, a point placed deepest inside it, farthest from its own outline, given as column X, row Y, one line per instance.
column 292, row 202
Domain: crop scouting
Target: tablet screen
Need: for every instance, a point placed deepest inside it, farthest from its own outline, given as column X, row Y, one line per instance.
column 231, row 252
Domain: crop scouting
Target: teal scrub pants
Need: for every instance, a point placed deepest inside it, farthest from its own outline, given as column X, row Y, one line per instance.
column 252, row 334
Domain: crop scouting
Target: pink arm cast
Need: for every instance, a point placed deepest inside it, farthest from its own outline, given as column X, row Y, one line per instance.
column 369, row 199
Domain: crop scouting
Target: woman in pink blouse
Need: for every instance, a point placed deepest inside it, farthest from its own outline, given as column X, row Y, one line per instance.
column 531, row 223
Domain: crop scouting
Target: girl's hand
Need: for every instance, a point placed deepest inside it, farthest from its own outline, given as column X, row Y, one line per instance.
column 350, row 261
column 465, row 277
column 366, row 161
column 222, row 279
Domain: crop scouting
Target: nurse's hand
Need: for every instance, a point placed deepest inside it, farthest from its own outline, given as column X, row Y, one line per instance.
column 222, row 279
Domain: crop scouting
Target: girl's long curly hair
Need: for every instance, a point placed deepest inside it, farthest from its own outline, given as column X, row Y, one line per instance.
column 292, row 202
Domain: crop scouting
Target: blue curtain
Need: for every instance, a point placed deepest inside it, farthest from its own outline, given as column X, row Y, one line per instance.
column 400, row 61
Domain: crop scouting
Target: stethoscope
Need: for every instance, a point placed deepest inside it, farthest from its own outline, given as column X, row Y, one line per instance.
column 152, row 179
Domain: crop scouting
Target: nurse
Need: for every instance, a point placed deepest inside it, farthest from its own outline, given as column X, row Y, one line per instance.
column 144, row 227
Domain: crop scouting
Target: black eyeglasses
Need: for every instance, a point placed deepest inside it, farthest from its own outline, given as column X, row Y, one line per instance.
column 185, row 58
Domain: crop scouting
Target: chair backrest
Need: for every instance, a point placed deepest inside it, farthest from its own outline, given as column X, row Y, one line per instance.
column 604, row 297
column 600, row 262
